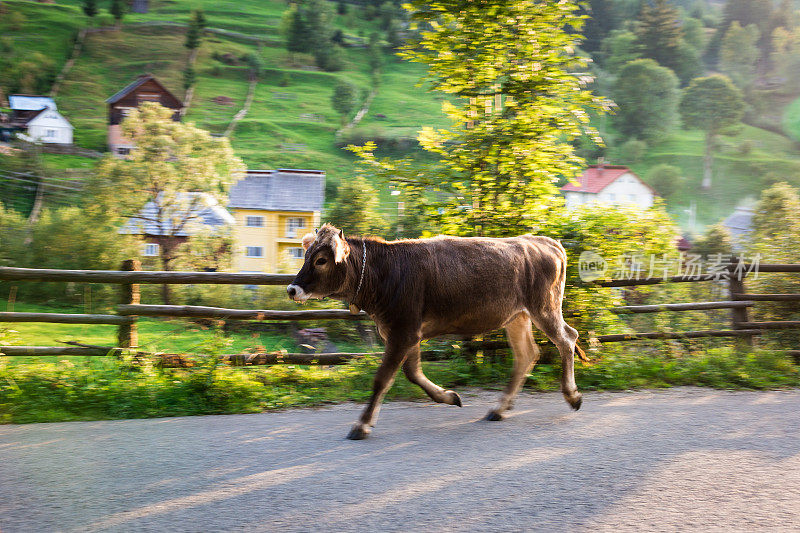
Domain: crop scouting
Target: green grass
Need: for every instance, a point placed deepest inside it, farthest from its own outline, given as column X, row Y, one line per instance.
column 109, row 388
column 68, row 161
column 155, row 335
column 791, row 120
column 47, row 389
column 738, row 174
column 48, row 29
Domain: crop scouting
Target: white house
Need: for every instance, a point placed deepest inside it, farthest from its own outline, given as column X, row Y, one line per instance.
column 39, row 120
column 189, row 214
column 609, row 184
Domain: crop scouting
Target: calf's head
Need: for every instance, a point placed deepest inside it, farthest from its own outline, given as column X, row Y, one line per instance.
column 324, row 271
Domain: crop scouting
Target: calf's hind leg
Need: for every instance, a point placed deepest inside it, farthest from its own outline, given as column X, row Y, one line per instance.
column 413, row 371
column 565, row 338
column 526, row 353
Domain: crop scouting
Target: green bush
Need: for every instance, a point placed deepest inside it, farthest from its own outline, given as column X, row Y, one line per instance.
column 631, row 151
column 665, row 179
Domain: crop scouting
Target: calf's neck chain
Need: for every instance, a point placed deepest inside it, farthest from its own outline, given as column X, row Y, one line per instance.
column 361, row 278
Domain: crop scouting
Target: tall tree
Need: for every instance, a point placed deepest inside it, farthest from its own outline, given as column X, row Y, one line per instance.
column 659, row 32
column 785, row 57
column 117, row 10
column 356, row 209
column 297, row 40
column 192, row 36
column 647, row 96
column 171, row 160
column 516, row 104
column 189, row 77
column 776, row 223
column 318, row 15
column 694, row 34
column 739, row 53
column 618, row 48
column 344, row 99
column 90, row 9
column 199, row 18
column 600, row 22
column 712, row 104
column 745, row 12
column 776, row 236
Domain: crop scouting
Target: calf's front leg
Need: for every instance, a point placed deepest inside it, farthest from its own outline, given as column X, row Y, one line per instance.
column 412, row 368
column 396, row 352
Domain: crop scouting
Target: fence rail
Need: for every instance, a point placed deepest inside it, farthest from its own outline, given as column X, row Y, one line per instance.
column 693, row 306
column 130, row 308
column 140, row 276
column 195, row 311
column 63, row 318
column 767, row 297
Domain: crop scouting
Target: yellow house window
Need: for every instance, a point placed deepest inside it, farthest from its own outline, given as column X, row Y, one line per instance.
column 254, row 221
column 254, row 251
column 295, row 226
column 295, row 253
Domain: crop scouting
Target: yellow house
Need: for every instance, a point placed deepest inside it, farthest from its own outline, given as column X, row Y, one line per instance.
column 273, row 209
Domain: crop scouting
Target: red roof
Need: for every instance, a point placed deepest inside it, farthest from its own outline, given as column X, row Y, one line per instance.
column 597, row 177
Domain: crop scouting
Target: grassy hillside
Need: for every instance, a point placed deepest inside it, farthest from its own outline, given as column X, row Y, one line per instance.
column 744, row 165
column 49, row 29
column 791, row 120
column 291, row 122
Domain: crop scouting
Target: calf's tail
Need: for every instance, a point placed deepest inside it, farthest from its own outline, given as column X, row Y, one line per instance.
column 581, row 354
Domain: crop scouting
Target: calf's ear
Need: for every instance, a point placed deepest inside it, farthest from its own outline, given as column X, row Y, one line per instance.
column 308, row 240
column 340, row 248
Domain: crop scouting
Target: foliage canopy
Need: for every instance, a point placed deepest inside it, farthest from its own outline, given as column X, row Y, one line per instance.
column 515, row 102
column 647, row 95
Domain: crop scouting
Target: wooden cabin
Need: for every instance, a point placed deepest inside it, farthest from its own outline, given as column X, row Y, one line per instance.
column 145, row 88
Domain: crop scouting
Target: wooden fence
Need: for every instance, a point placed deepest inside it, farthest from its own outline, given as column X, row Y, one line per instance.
column 130, row 308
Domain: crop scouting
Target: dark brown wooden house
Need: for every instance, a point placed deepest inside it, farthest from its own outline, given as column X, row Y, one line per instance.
column 145, row 88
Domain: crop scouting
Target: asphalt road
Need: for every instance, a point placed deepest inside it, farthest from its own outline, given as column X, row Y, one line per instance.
column 665, row 460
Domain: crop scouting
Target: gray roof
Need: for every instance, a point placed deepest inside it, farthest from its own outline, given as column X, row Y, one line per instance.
column 207, row 213
column 23, row 102
column 739, row 225
column 279, row 190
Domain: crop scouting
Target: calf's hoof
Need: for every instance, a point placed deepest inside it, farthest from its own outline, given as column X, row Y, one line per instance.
column 493, row 416
column 575, row 400
column 359, row 432
column 455, row 399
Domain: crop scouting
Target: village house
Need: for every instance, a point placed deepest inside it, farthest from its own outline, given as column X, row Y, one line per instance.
column 144, row 88
column 273, row 209
column 740, row 224
column 192, row 212
column 609, row 184
column 36, row 119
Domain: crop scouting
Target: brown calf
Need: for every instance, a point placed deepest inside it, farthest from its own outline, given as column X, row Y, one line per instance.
column 418, row 289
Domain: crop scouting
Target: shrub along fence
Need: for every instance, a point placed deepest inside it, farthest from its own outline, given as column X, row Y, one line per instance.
column 130, row 276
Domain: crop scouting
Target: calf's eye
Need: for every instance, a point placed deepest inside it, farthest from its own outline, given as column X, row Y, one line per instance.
column 321, row 261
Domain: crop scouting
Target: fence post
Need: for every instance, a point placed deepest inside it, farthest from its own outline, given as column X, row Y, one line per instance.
column 738, row 314
column 127, row 335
